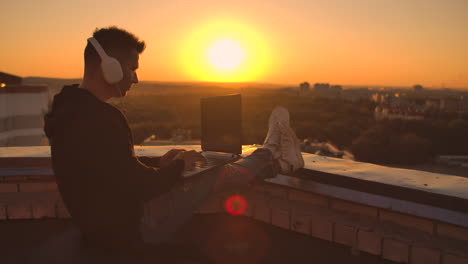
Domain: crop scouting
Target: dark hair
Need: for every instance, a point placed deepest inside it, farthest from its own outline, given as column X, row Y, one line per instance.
column 113, row 39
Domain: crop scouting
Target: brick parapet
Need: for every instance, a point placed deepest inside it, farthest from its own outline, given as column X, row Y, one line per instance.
column 390, row 234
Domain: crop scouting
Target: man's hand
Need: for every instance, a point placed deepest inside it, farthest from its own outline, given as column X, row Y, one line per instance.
column 168, row 157
column 191, row 158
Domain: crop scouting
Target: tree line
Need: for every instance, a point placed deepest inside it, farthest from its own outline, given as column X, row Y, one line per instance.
column 348, row 125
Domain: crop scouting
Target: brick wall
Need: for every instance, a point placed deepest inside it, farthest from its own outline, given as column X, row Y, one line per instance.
column 30, row 197
column 378, row 231
column 391, row 235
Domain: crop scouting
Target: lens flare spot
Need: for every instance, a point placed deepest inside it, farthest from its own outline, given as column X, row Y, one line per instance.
column 235, row 205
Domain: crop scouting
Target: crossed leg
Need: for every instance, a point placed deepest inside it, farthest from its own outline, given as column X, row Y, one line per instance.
column 165, row 214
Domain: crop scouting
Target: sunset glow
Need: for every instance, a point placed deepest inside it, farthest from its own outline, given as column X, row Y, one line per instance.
column 225, row 51
column 362, row 42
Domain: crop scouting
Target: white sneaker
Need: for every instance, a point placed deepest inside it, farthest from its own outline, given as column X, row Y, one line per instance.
column 282, row 141
column 278, row 115
column 291, row 157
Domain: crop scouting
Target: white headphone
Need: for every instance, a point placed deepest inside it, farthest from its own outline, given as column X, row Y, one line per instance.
column 111, row 68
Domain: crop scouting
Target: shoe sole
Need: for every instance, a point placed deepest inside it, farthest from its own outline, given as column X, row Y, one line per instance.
column 297, row 150
column 278, row 115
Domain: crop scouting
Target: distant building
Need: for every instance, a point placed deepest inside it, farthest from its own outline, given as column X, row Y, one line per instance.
column 398, row 105
column 6, row 78
column 304, row 87
column 450, row 104
column 464, row 103
column 432, row 104
column 336, row 87
column 354, row 95
column 381, row 113
column 22, row 109
column 327, row 91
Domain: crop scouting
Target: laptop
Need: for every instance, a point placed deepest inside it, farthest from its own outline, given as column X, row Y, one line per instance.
column 221, row 132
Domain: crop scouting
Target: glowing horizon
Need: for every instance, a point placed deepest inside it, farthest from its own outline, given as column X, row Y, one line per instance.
column 365, row 42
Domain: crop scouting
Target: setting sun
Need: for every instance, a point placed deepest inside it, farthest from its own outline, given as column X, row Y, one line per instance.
column 225, row 55
column 225, row 51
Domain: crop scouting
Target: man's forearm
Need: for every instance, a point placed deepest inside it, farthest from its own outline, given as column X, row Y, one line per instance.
column 154, row 182
column 151, row 161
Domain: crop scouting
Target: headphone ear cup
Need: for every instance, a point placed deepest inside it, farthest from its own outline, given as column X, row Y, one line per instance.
column 111, row 70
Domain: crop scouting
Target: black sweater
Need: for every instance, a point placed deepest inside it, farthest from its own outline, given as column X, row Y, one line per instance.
column 102, row 183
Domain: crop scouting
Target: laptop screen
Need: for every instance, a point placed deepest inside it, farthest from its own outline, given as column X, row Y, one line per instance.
column 221, row 124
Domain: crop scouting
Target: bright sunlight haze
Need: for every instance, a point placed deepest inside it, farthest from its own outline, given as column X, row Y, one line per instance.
column 225, row 55
column 225, row 51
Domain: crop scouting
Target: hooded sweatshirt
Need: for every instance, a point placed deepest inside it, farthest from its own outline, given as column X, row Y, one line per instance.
column 102, row 183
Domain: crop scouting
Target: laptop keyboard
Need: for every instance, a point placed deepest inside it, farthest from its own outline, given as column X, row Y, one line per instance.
column 210, row 163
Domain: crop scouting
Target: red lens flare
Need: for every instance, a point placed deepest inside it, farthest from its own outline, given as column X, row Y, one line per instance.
column 235, row 205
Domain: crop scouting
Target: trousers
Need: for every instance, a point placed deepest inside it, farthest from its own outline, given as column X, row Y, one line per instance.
column 165, row 214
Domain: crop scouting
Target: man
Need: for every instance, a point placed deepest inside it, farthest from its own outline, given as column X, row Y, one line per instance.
column 103, row 184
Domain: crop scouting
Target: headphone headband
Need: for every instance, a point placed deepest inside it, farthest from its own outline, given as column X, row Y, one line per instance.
column 98, row 47
column 111, row 68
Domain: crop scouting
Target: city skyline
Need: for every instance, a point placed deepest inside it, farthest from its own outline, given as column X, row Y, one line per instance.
column 388, row 43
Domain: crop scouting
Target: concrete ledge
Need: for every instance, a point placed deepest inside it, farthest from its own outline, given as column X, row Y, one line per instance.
column 374, row 200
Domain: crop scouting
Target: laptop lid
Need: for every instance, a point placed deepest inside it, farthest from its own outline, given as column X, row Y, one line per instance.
column 221, row 124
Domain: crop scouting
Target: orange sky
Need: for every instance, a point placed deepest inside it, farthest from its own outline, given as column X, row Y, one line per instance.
column 373, row 42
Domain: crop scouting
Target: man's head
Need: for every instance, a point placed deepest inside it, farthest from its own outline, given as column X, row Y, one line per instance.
column 121, row 45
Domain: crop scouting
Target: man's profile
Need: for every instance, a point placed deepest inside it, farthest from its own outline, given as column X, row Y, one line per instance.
column 103, row 184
